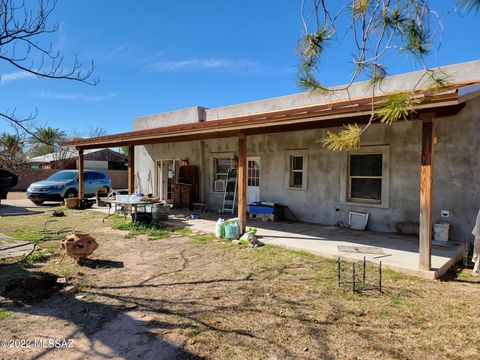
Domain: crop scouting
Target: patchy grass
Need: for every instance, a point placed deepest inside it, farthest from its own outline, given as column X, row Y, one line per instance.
column 215, row 299
column 5, row 313
column 202, row 237
column 153, row 232
column 25, row 234
column 37, row 256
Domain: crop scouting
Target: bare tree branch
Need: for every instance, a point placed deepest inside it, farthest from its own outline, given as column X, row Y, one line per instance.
column 23, row 29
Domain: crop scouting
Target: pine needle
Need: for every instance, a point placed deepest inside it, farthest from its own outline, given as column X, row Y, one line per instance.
column 307, row 82
column 396, row 107
column 345, row 139
column 438, row 81
column 360, row 6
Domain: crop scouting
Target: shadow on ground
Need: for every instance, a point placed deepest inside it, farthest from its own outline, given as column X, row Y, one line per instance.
column 38, row 294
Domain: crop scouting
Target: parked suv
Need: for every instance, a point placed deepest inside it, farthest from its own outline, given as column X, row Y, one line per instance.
column 64, row 184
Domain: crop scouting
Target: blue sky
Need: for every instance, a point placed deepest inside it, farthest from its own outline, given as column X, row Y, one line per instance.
column 155, row 56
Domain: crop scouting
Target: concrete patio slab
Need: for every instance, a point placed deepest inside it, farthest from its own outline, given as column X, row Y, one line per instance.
column 401, row 251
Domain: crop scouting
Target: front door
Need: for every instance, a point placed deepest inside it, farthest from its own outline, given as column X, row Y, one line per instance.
column 253, row 179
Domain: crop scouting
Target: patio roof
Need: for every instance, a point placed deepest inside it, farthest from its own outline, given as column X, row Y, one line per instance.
column 328, row 114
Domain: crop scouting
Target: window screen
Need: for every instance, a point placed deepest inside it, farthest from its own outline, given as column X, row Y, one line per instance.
column 296, row 171
column 365, row 177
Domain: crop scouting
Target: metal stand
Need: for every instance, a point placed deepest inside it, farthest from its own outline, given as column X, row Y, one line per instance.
column 367, row 276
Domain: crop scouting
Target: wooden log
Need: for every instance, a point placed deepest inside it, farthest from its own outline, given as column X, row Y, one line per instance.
column 131, row 169
column 426, row 170
column 81, row 177
column 242, row 182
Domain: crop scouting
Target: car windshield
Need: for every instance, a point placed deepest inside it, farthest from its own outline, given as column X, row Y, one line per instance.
column 63, row 175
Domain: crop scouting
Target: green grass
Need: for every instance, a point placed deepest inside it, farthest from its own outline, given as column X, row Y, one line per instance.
column 152, row 231
column 5, row 313
column 25, row 234
column 202, row 237
column 37, row 256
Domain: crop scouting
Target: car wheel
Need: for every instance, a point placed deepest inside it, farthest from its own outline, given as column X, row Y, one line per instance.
column 37, row 202
column 70, row 194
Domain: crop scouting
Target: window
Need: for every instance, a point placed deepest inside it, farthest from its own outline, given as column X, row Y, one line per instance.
column 88, row 176
column 253, row 173
column 296, row 171
column 365, row 177
column 220, row 169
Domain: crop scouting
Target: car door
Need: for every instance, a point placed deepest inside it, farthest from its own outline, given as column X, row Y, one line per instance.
column 89, row 184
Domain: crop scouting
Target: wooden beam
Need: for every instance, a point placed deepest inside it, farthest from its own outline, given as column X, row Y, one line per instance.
column 426, row 170
column 131, row 169
column 242, row 182
column 81, row 178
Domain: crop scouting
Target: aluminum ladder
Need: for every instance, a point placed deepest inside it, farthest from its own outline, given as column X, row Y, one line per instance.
column 230, row 193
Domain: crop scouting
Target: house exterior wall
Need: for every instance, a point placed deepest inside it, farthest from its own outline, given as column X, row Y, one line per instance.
column 456, row 185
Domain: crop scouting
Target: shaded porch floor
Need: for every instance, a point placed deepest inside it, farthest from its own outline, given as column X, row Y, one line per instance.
column 400, row 252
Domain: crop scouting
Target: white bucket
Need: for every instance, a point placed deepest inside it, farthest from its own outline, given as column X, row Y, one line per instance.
column 440, row 231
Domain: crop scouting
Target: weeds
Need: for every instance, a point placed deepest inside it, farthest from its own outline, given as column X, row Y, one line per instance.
column 152, row 231
column 5, row 313
column 37, row 257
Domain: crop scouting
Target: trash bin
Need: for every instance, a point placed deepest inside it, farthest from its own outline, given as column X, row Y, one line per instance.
column 440, row 231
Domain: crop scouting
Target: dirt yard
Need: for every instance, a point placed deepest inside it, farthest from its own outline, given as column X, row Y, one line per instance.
column 188, row 297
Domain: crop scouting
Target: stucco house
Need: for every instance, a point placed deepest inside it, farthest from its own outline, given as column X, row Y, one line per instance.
column 423, row 170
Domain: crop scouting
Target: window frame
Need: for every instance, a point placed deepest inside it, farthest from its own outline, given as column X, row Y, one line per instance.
column 345, row 188
column 351, row 177
column 253, row 175
column 289, row 155
column 214, row 169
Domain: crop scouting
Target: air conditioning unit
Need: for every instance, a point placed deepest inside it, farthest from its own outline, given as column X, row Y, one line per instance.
column 219, row 185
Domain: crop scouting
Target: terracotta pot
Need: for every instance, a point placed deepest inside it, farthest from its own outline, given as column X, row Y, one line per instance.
column 71, row 203
column 78, row 245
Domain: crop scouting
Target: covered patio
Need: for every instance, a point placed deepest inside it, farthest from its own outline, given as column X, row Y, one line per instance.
column 409, row 254
column 397, row 252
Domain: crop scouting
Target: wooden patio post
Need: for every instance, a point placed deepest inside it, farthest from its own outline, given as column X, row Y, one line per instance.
column 242, row 182
column 80, row 175
column 426, row 170
column 131, row 169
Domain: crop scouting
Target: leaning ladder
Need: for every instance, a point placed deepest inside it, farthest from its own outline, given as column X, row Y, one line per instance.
column 230, row 194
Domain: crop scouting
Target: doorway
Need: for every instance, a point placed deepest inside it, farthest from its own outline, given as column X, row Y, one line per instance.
column 167, row 171
column 253, row 179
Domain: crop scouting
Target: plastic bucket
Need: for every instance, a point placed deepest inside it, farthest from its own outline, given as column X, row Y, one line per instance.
column 440, row 231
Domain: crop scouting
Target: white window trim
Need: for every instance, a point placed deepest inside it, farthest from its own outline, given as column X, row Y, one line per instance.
column 288, row 154
column 227, row 155
column 344, row 178
column 253, row 158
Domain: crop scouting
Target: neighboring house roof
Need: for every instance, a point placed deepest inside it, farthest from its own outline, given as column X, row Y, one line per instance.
column 298, row 111
column 64, row 155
